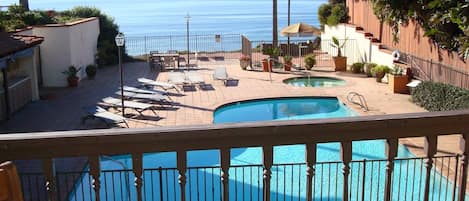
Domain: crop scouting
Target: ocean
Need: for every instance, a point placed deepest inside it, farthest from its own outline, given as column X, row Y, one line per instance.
column 162, row 17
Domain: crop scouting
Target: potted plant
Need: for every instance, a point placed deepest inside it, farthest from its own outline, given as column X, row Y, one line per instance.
column 380, row 71
column 339, row 60
column 398, row 80
column 287, row 62
column 368, row 67
column 310, row 61
column 244, row 61
column 357, row 67
column 72, row 77
column 91, row 71
column 273, row 53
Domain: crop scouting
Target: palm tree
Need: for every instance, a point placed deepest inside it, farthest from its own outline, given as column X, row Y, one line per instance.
column 274, row 27
column 25, row 4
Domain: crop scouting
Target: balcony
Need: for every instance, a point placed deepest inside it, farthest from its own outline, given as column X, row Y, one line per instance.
column 434, row 176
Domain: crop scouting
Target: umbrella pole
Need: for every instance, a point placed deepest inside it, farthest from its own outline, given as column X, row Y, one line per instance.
column 270, row 69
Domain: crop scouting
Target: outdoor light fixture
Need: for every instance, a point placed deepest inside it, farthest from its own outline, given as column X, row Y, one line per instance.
column 120, row 41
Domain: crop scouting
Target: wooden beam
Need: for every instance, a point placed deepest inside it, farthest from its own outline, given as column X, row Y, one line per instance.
column 310, row 156
column 267, row 158
column 181, row 156
column 225, row 167
column 95, row 172
column 430, row 149
column 391, row 154
column 48, row 167
column 346, row 157
column 137, row 168
column 464, row 164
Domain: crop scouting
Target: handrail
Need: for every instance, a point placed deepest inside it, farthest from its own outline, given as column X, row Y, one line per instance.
column 361, row 98
column 123, row 141
column 93, row 143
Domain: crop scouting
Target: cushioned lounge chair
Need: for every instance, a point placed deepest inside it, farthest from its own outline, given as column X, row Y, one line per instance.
column 154, row 98
column 164, row 85
column 195, row 79
column 137, row 106
column 109, row 118
column 143, row 91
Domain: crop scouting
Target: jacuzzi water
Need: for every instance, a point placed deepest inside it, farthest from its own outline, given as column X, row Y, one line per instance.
column 314, row 81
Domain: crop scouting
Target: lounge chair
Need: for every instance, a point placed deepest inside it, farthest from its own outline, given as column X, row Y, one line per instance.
column 164, row 85
column 195, row 78
column 137, row 106
column 177, row 78
column 155, row 98
column 221, row 74
column 143, row 91
column 107, row 117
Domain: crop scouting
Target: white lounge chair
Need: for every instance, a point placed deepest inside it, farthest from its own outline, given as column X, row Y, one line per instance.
column 156, row 98
column 143, row 91
column 164, row 85
column 107, row 117
column 137, row 106
column 221, row 74
column 177, row 78
column 195, row 78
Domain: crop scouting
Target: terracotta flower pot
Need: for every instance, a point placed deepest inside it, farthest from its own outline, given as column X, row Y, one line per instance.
column 340, row 63
column 287, row 66
column 72, row 81
column 266, row 65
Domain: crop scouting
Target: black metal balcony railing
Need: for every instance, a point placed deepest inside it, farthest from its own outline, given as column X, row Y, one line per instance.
column 433, row 177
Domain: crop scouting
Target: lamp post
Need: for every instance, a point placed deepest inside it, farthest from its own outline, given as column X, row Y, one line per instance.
column 188, row 17
column 120, row 41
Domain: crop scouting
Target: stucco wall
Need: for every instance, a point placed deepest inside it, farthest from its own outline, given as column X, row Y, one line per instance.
column 65, row 45
column 358, row 47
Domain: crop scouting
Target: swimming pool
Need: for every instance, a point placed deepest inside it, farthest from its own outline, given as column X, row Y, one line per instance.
column 314, row 81
column 288, row 172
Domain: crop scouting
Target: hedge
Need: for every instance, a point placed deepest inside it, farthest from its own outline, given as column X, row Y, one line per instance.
column 440, row 97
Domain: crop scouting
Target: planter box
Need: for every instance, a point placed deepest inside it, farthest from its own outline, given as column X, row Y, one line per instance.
column 340, row 63
column 398, row 83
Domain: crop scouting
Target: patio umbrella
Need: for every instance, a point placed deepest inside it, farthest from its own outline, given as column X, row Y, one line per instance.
column 300, row 29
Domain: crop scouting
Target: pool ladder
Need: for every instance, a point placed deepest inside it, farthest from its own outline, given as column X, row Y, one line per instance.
column 361, row 100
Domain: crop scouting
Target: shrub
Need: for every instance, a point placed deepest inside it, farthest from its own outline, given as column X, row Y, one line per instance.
column 339, row 14
column 324, row 11
column 368, row 67
column 310, row 61
column 380, row 69
column 440, row 97
column 357, row 67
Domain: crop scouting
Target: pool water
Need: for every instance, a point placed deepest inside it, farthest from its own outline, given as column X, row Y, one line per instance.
column 314, row 81
column 288, row 173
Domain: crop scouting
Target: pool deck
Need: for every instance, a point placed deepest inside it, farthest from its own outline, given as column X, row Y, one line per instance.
column 196, row 107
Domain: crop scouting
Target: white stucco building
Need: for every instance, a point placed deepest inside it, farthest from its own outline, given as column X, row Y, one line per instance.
column 65, row 45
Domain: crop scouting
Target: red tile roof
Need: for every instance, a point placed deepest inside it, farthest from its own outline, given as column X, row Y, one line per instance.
column 10, row 44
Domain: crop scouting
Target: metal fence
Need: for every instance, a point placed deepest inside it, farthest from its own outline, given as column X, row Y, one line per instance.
column 366, row 182
column 298, row 49
column 429, row 70
column 226, row 45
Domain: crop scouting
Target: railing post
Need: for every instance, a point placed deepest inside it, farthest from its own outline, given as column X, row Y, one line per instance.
column 225, row 165
column 95, row 171
column 182, row 166
column 310, row 157
column 48, row 167
column 391, row 153
column 160, row 174
column 137, row 168
column 267, row 158
column 430, row 151
column 346, row 157
column 464, row 163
